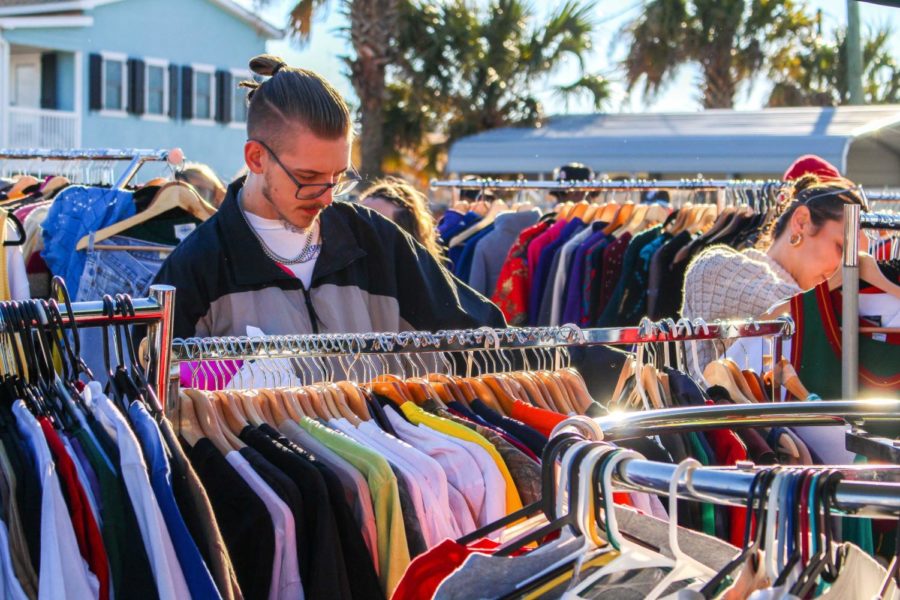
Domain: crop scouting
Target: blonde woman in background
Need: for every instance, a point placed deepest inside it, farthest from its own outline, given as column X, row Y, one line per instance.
column 407, row 207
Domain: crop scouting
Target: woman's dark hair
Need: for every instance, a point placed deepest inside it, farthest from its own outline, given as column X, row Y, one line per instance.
column 824, row 198
column 413, row 216
column 293, row 95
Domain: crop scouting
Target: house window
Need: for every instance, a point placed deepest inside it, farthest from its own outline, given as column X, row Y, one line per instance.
column 157, row 88
column 239, row 95
column 114, row 83
column 204, row 95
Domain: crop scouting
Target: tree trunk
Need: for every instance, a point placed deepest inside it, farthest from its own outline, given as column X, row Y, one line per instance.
column 373, row 26
column 719, row 85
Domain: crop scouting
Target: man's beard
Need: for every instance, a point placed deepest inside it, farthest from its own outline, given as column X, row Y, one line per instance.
column 288, row 223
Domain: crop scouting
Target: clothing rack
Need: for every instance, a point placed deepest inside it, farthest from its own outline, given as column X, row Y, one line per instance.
column 137, row 157
column 698, row 185
column 354, row 345
column 155, row 311
column 854, row 220
column 878, row 495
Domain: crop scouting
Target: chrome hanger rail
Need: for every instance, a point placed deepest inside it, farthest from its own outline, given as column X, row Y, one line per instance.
column 137, row 157
column 766, row 414
column 872, row 492
column 607, row 184
column 298, row 346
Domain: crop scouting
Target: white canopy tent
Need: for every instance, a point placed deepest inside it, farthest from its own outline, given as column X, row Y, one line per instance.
column 862, row 141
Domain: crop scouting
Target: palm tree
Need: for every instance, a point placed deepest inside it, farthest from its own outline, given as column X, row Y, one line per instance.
column 730, row 40
column 372, row 31
column 461, row 69
column 816, row 75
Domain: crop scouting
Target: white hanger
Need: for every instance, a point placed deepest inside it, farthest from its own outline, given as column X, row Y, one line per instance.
column 686, row 567
column 632, row 556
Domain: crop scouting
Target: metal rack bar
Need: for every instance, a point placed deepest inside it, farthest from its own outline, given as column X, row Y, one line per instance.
column 300, row 346
column 699, row 418
column 854, row 220
column 157, row 312
column 731, row 486
column 137, row 157
column 595, row 185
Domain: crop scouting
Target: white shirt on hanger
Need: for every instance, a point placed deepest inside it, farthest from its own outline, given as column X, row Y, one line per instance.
column 167, row 571
column 494, row 506
column 286, row 584
column 63, row 572
column 463, row 473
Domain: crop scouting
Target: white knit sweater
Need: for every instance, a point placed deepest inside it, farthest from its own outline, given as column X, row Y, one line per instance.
column 722, row 283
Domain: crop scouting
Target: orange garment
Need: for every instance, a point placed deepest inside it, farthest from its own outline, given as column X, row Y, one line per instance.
column 537, row 418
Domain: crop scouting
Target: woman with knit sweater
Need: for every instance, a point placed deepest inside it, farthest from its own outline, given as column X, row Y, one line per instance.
column 802, row 248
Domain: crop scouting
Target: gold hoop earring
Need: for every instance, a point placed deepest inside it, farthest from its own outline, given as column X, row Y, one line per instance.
column 796, row 239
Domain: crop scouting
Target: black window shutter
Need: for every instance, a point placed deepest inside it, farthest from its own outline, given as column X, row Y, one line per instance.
column 223, row 96
column 136, row 86
column 173, row 91
column 48, row 80
column 187, row 93
column 95, row 82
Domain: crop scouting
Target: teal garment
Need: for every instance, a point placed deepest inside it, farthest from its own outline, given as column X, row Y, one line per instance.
column 707, row 510
column 628, row 290
column 857, row 530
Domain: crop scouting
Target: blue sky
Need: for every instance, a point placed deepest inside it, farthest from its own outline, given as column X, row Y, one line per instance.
column 322, row 53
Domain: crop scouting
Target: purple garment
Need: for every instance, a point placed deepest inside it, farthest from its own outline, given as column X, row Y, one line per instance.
column 575, row 282
column 542, row 273
column 87, row 469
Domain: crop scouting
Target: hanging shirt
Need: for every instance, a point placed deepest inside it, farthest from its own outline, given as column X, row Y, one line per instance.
column 513, row 284
column 63, row 573
column 9, row 583
column 418, row 416
column 393, row 552
column 84, row 524
column 491, row 251
column 285, row 575
column 356, row 488
column 560, row 278
column 169, row 577
column 16, row 541
column 461, row 469
column 196, row 574
column 286, row 241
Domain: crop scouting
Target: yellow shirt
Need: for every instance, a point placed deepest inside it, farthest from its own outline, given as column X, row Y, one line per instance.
column 393, row 553
column 417, row 415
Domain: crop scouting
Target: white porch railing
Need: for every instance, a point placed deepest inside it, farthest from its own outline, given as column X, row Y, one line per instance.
column 42, row 128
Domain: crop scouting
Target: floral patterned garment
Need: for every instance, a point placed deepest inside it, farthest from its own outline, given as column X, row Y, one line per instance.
column 513, row 284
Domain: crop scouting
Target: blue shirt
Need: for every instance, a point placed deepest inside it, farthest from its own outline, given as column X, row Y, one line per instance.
column 544, row 268
column 76, row 212
column 463, row 267
column 196, row 574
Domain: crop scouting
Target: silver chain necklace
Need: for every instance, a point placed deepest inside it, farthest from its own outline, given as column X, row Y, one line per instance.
column 308, row 252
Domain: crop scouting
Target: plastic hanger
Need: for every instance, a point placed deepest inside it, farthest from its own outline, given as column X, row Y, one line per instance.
column 823, row 564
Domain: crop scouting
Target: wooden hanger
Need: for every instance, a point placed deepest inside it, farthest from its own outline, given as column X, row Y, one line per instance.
column 22, row 183
column 609, row 212
column 261, row 402
column 52, row 186
column 173, row 195
column 635, row 221
column 536, row 391
column 270, row 407
column 717, row 373
column 785, row 375
column 188, row 423
column 317, row 402
column 739, row 378
column 209, row 421
column 580, row 210
column 555, row 395
column 355, row 399
column 302, row 397
column 501, row 393
column 753, row 383
column 582, row 399
column 292, row 407
column 590, row 213
column 484, row 393
column 621, row 218
column 342, row 404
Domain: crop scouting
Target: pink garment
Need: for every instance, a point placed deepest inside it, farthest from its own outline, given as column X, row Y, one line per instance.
column 211, row 375
column 539, row 243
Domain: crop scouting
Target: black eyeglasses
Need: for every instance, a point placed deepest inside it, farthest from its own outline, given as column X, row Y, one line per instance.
column 310, row 191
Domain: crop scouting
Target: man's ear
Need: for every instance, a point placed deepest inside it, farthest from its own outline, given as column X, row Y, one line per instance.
column 254, row 156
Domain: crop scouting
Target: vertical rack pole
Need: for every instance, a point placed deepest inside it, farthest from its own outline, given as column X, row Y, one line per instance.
column 850, row 321
column 160, row 336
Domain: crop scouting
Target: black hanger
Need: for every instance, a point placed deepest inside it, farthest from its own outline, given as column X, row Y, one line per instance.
column 756, row 505
column 20, row 229
column 552, row 451
column 59, row 292
column 569, row 519
column 823, row 564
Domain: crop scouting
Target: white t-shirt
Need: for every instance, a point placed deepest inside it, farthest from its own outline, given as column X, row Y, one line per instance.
column 287, row 242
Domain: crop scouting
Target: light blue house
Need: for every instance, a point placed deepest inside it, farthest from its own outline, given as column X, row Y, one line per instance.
column 128, row 74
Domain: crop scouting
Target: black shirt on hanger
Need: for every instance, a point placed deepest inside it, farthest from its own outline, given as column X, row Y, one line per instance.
column 364, row 581
column 324, row 574
column 243, row 519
